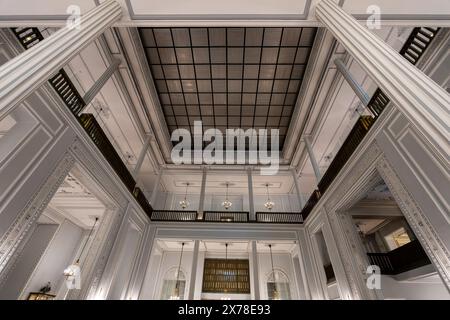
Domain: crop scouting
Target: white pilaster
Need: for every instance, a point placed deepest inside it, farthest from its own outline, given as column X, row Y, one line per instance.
column 419, row 98
column 312, row 158
column 356, row 87
column 26, row 72
column 155, row 188
column 255, row 265
column 201, row 203
column 141, row 158
column 301, row 201
column 98, row 85
column 251, row 203
column 193, row 270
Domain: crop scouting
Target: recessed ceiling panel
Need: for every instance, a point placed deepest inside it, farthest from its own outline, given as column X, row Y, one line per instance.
column 228, row 77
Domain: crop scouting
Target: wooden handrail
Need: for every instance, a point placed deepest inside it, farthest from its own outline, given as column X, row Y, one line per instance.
column 98, row 136
column 405, row 258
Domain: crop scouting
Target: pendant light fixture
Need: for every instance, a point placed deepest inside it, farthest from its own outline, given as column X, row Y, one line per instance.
column 276, row 293
column 227, row 203
column 269, row 204
column 176, row 290
column 73, row 272
column 226, row 271
column 184, row 203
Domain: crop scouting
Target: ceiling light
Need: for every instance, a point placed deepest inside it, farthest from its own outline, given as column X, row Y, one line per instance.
column 227, row 203
column 184, row 203
column 176, row 290
column 269, row 204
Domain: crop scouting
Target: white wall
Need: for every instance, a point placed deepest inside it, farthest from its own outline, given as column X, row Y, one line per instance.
column 58, row 255
column 27, row 261
column 160, row 263
column 282, row 261
column 415, row 290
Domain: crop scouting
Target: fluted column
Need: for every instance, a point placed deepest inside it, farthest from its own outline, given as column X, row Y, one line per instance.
column 251, row 200
column 193, row 277
column 301, row 201
column 201, row 204
column 141, row 157
column 26, row 72
column 155, row 189
column 312, row 158
column 356, row 87
column 98, row 85
column 420, row 99
column 255, row 264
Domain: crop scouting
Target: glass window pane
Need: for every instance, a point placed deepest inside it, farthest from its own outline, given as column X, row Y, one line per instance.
column 163, row 37
column 203, row 71
column 290, row 36
column 272, row 36
column 187, row 71
column 267, row 71
column 201, row 55
column 287, row 55
column 235, row 37
column 253, row 36
column 184, row 55
column 269, row 55
column 217, row 37
column 235, row 71
column 167, row 55
column 199, row 37
column 235, row 55
column 181, row 37
column 218, row 55
column 219, row 71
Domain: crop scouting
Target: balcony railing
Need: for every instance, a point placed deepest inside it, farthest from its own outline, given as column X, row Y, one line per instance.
column 310, row 204
column 142, row 200
column 405, row 258
column 66, row 90
column 61, row 82
column 412, row 50
column 225, row 216
column 100, row 139
column 350, row 144
column 173, row 215
column 279, row 217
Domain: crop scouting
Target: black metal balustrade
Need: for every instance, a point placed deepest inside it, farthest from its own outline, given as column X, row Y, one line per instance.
column 350, row 144
column 279, row 217
column 142, row 200
column 93, row 129
column 61, row 82
column 417, row 43
column 312, row 201
column 225, row 216
column 412, row 50
column 405, row 258
column 378, row 103
column 173, row 215
column 66, row 90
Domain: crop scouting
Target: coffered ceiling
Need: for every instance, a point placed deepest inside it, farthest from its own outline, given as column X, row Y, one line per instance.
column 228, row 77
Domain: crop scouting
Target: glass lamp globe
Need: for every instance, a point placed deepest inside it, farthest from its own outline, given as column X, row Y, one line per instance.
column 184, row 204
column 269, row 205
column 227, row 204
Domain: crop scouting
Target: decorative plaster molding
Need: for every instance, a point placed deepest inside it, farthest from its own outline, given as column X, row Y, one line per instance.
column 425, row 232
column 16, row 233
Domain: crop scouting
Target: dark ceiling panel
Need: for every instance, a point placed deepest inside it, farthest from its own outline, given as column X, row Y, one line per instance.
column 228, row 77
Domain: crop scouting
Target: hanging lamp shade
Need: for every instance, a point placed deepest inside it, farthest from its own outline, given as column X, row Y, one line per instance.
column 269, row 204
column 184, row 203
column 176, row 290
column 227, row 203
